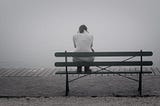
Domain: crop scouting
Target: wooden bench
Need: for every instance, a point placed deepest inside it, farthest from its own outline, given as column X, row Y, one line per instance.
column 127, row 62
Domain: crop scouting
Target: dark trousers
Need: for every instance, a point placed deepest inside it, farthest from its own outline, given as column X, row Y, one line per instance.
column 79, row 68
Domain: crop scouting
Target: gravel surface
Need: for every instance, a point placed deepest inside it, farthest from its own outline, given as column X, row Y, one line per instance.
column 81, row 101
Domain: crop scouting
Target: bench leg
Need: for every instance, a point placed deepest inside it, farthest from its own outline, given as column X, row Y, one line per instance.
column 67, row 85
column 140, row 84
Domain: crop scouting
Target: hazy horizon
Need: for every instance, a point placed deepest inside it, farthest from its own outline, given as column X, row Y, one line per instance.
column 31, row 31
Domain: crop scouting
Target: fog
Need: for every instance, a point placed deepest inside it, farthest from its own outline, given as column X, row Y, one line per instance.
column 31, row 31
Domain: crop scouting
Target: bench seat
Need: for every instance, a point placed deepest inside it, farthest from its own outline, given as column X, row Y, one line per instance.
column 105, row 72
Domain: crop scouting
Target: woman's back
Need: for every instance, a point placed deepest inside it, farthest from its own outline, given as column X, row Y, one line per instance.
column 83, row 42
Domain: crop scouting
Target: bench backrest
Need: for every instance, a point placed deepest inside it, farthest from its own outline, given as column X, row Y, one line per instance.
column 140, row 62
column 100, row 54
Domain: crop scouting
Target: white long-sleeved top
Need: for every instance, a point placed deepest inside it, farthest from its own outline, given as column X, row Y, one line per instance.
column 83, row 42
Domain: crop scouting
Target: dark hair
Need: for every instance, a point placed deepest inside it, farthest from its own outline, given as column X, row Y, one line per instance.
column 82, row 28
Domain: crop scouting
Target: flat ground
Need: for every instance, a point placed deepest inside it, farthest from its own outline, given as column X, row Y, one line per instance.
column 39, row 89
column 44, row 82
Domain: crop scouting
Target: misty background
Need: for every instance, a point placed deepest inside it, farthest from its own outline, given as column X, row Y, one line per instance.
column 31, row 31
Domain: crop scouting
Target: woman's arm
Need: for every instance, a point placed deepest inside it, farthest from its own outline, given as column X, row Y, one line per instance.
column 74, row 43
column 91, row 41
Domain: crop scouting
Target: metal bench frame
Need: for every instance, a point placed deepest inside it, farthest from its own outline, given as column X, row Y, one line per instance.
column 125, row 62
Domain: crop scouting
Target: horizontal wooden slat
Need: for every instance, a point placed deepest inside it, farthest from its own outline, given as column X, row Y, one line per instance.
column 112, row 63
column 87, row 54
column 105, row 72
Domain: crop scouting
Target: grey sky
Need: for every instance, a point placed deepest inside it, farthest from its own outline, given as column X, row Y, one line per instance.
column 32, row 30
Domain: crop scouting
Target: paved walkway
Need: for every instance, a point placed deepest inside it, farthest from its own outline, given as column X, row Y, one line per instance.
column 25, row 72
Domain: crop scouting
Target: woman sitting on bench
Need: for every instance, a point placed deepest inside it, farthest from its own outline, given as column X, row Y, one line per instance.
column 83, row 42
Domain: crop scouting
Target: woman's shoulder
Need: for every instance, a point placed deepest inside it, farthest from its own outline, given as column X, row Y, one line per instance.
column 81, row 34
column 90, row 35
column 87, row 33
column 76, row 35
